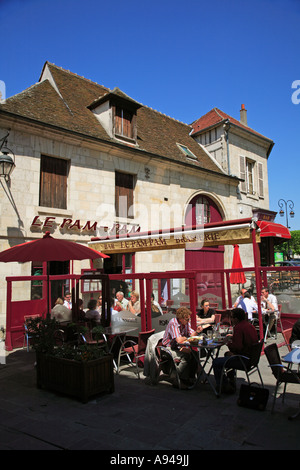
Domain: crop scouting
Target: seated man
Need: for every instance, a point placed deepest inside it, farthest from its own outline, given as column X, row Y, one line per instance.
column 176, row 333
column 244, row 336
column 295, row 332
column 120, row 303
column 248, row 304
column 269, row 302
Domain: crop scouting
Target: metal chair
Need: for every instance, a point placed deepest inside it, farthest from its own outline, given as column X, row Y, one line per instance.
column 135, row 351
column 166, row 365
column 27, row 333
column 249, row 365
column 282, row 374
column 218, row 317
column 89, row 337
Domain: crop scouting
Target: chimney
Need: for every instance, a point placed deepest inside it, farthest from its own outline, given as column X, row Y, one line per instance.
column 243, row 115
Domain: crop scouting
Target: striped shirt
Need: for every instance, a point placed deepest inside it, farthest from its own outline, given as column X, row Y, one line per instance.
column 174, row 330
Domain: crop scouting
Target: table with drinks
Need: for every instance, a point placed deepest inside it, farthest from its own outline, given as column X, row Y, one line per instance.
column 210, row 343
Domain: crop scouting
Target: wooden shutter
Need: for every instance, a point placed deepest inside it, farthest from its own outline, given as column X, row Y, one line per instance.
column 53, row 182
column 243, row 173
column 127, row 125
column 118, row 121
column 124, row 122
column 124, row 184
column 260, row 180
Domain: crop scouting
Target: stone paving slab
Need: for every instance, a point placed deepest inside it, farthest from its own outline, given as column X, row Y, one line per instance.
column 139, row 417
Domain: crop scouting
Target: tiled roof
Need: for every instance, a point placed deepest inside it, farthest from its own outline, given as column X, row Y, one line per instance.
column 214, row 117
column 69, row 110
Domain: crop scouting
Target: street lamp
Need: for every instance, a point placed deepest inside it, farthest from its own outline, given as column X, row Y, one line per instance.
column 7, row 159
column 287, row 204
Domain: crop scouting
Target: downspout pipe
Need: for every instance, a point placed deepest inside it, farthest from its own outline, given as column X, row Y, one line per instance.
column 226, row 127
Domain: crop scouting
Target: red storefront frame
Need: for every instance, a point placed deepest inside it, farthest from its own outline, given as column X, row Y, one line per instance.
column 17, row 310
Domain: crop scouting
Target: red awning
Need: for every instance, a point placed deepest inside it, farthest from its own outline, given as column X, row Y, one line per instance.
column 270, row 229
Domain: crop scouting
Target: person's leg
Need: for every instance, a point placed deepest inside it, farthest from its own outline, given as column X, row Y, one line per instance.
column 183, row 362
column 218, row 365
column 228, row 381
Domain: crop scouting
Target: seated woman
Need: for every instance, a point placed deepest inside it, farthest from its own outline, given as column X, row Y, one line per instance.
column 92, row 313
column 156, row 310
column 205, row 317
column 134, row 303
column 60, row 312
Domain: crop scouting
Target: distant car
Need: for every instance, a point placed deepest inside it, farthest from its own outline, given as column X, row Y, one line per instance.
column 291, row 262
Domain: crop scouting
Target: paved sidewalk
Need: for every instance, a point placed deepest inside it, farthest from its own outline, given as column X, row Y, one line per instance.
column 139, row 417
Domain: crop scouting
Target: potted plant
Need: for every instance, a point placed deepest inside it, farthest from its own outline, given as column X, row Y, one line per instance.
column 79, row 370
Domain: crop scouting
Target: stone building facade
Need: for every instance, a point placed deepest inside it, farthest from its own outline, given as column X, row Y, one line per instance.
column 90, row 160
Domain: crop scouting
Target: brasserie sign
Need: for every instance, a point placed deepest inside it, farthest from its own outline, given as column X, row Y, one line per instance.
column 201, row 238
column 86, row 227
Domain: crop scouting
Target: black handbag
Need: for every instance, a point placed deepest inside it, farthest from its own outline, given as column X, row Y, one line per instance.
column 253, row 397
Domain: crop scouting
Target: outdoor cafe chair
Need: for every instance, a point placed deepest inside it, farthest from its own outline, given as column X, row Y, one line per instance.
column 135, row 351
column 287, row 337
column 167, row 365
column 249, row 365
column 27, row 333
column 86, row 336
column 283, row 375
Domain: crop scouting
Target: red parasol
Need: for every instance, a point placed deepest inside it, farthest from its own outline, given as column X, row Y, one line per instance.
column 49, row 249
column 237, row 278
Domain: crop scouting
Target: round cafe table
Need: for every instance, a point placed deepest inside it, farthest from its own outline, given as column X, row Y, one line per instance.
column 212, row 348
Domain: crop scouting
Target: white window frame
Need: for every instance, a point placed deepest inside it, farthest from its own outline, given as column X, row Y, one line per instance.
column 248, row 172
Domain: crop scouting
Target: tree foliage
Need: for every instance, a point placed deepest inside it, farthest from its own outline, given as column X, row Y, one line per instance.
column 293, row 244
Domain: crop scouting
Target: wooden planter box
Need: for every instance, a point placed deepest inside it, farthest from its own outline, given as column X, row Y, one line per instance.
column 79, row 379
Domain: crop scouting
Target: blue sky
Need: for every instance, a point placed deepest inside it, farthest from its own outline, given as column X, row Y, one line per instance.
column 181, row 58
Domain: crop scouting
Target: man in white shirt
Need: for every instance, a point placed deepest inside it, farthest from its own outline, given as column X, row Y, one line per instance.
column 240, row 297
column 248, row 304
column 121, row 303
column 68, row 300
column 269, row 302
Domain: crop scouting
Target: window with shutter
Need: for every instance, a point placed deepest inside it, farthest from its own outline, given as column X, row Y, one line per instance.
column 124, row 123
column 260, row 180
column 243, row 173
column 53, row 182
column 124, row 186
column 250, row 176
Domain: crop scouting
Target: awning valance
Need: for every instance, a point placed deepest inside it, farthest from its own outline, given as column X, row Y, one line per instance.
column 270, row 229
column 204, row 236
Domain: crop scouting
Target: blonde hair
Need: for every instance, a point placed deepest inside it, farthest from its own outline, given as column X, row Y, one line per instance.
column 59, row 301
column 136, row 294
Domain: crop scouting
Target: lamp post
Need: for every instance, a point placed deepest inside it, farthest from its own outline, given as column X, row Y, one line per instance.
column 287, row 204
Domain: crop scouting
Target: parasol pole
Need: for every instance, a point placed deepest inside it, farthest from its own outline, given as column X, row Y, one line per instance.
column 48, row 291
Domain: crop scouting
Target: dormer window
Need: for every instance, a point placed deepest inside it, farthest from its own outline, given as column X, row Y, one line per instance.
column 124, row 123
column 117, row 113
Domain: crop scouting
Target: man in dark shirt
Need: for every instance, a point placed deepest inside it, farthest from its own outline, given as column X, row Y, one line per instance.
column 295, row 332
column 244, row 336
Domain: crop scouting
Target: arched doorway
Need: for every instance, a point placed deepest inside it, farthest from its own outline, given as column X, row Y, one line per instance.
column 203, row 210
